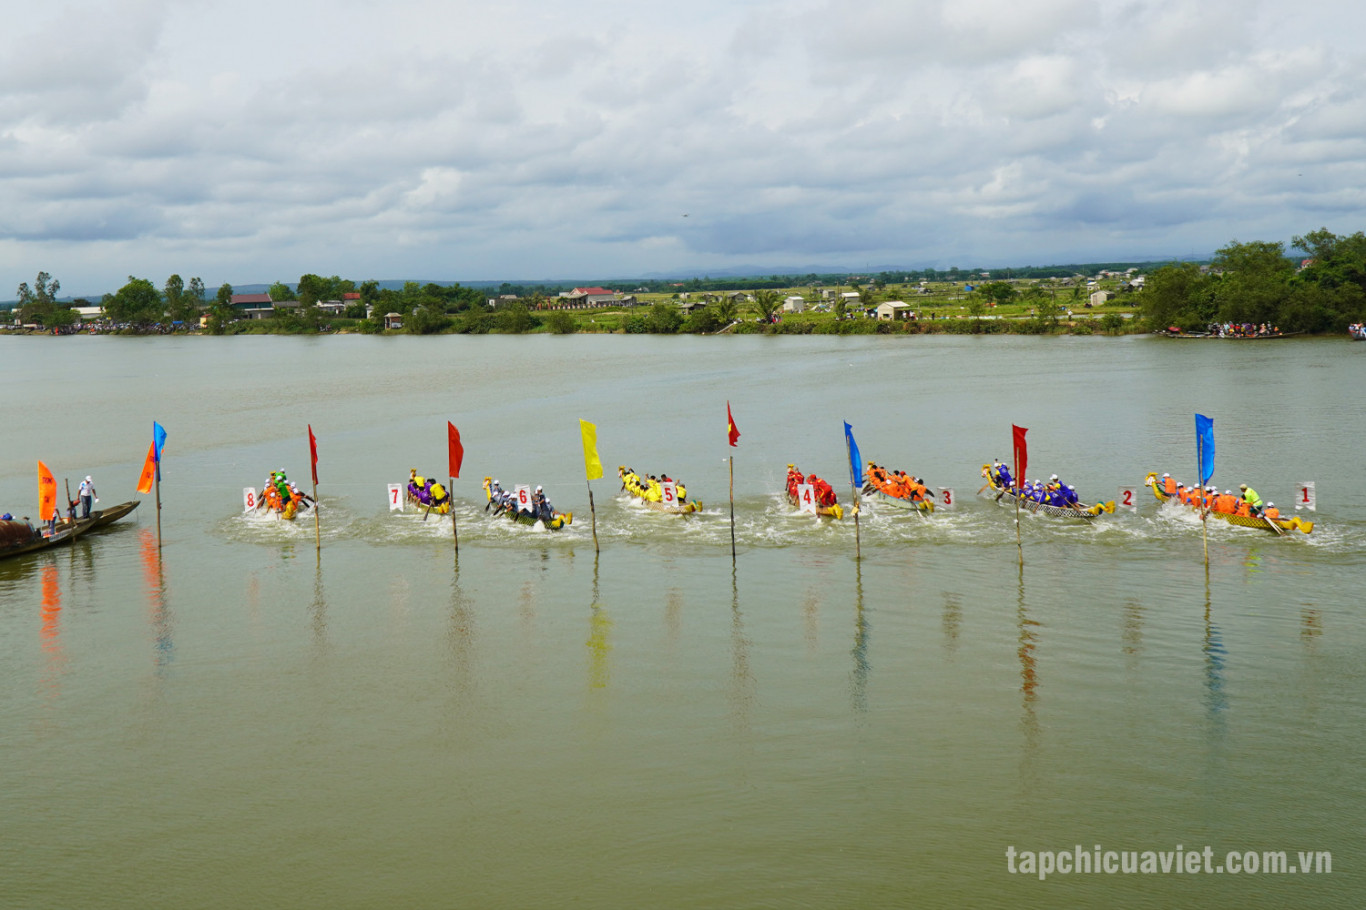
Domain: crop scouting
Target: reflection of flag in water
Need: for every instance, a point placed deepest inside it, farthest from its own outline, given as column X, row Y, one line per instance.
column 47, row 493
column 592, row 464
column 855, row 459
column 1017, row 435
column 149, row 470
column 1204, row 446
column 313, row 453
column 732, row 431
column 455, row 451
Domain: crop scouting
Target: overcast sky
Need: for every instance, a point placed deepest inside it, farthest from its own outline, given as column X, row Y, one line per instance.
column 258, row 140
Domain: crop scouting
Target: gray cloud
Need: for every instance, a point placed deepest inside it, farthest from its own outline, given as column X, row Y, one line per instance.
column 267, row 139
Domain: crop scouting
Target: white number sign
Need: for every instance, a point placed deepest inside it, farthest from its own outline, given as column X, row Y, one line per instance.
column 523, row 492
column 668, row 492
column 248, row 499
column 1127, row 499
column 947, row 498
column 806, row 498
column 395, row 498
column 1305, row 498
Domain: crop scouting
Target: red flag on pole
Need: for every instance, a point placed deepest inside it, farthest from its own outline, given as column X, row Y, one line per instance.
column 313, row 453
column 1021, row 453
column 456, row 450
column 149, row 470
column 732, row 434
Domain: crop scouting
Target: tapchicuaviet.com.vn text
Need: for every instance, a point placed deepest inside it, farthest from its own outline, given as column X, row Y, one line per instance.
column 1180, row 861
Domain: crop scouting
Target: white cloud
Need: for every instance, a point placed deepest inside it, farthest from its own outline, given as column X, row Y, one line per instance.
column 262, row 140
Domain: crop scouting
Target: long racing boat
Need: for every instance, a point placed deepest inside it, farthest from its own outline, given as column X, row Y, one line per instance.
column 1275, row 525
column 1007, row 495
column 896, row 490
column 655, row 494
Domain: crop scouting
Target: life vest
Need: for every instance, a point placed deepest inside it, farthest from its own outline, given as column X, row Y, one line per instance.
column 1272, row 514
column 1244, row 509
column 1169, row 485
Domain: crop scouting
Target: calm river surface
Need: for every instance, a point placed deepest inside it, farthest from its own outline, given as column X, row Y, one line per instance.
column 239, row 723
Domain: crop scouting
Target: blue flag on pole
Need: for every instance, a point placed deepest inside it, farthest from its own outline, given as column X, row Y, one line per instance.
column 855, row 459
column 1204, row 446
column 158, row 440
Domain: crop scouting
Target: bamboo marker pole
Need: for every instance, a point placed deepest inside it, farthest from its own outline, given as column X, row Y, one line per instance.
column 70, row 511
column 593, row 514
column 317, row 530
column 450, row 497
column 1019, row 543
column 732, row 511
column 156, row 485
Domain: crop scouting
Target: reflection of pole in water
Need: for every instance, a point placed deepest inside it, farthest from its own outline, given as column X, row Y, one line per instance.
column 1131, row 627
column 159, row 614
column 673, row 617
column 318, row 612
column 460, row 639
column 1216, row 700
column 858, row 689
column 1029, row 667
column 952, row 621
column 741, row 675
column 1311, row 627
column 811, row 616
column 599, row 638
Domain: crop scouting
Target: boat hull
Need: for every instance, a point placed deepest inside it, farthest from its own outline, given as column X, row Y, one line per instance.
column 20, row 543
column 1281, row 525
column 835, row 511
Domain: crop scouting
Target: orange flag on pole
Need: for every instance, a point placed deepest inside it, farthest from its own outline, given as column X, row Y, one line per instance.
column 149, row 470
column 47, row 493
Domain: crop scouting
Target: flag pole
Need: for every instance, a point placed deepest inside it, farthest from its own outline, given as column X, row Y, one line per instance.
column 732, row 510
column 156, row 485
column 455, row 531
column 1204, row 496
column 317, row 529
column 593, row 513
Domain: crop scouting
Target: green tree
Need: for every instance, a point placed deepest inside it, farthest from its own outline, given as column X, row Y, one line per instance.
column 138, row 302
column 665, row 318
column 726, row 309
column 766, row 303
column 561, row 322
column 37, row 304
column 180, row 306
column 998, row 292
column 280, row 291
column 1177, row 295
column 220, row 313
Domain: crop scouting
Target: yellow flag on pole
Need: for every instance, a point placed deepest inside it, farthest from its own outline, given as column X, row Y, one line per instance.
column 592, row 464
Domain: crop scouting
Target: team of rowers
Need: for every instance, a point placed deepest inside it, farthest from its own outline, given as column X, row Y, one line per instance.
column 1245, row 502
column 427, row 493
column 280, row 495
column 1052, row 492
column 1357, row 330
column 506, row 501
column 897, row 484
column 650, row 488
column 825, row 494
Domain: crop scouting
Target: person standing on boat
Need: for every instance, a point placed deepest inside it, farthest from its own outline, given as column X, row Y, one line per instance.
column 1250, row 497
column 86, row 493
column 1003, row 474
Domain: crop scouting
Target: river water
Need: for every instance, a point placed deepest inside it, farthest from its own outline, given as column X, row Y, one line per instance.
column 238, row 721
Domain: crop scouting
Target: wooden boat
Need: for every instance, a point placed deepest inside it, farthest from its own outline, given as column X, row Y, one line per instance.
column 557, row 521
column 1080, row 510
column 646, row 494
column 879, row 490
column 831, row 510
column 1276, row 526
column 19, row 537
column 1174, row 332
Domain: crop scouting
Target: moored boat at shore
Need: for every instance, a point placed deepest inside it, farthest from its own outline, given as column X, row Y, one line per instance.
column 1270, row 520
column 1009, row 494
column 21, row 536
column 660, row 494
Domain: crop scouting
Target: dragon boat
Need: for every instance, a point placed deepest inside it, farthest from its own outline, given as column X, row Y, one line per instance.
column 508, row 509
column 883, row 487
column 1276, row 525
column 1008, row 495
column 825, row 504
column 655, row 494
column 280, row 499
column 427, row 495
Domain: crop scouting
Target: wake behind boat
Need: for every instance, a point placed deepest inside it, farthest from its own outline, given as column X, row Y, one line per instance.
column 662, row 494
column 1049, row 498
column 279, row 498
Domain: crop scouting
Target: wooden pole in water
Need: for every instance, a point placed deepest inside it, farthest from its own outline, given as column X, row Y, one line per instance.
column 156, row 485
column 593, row 513
column 450, row 497
column 1019, row 543
column 71, row 514
column 317, row 530
column 732, row 510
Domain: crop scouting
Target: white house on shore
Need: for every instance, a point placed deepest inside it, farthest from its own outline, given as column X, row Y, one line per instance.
column 894, row 309
column 794, row 305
